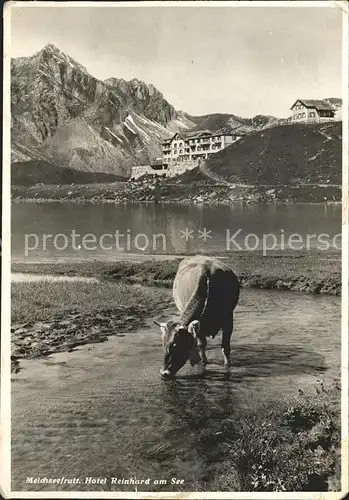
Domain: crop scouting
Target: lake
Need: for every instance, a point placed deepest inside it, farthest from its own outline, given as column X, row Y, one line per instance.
column 73, row 232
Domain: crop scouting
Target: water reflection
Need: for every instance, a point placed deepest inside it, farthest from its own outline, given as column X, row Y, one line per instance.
column 168, row 220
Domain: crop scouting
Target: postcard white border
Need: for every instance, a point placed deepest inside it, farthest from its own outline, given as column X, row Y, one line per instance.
column 5, row 409
column 345, row 251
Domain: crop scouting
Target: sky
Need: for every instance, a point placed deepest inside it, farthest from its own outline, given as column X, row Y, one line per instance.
column 204, row 59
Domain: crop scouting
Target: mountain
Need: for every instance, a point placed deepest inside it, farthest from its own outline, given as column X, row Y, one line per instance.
column 64, row 116
column 231, row 123
column 336, row 102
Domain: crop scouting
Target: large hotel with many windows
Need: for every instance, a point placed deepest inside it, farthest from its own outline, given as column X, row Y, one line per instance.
column 195, row 147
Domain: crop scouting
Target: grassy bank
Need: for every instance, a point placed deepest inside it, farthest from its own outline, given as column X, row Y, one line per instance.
column 49, row 317
column 312, row 272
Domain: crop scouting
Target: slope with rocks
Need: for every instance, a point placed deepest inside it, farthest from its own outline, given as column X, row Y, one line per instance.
column 288, row 155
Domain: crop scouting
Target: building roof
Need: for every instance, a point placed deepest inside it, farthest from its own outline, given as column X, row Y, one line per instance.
column 200, row 133
column 211, row 134
column 318, row 104
column 168, row 141
column 196, row 135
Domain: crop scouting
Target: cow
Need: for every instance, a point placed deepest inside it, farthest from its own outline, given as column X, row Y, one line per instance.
column 206, row 292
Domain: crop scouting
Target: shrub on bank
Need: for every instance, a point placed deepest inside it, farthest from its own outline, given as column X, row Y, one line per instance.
column 282, row 447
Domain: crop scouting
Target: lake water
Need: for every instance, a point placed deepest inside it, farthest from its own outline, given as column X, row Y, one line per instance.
column 103, row 410
column 73, row 232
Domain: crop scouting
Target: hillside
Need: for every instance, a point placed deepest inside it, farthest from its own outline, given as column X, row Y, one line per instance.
column 33, row 172
column 283, row 155
column 290, row 163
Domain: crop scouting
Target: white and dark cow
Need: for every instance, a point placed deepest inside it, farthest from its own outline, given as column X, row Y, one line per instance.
column 206, row 292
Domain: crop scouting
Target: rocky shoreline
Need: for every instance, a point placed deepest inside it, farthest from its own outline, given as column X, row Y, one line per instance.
column 49, row 318
column 68, row 330
column 175, row 191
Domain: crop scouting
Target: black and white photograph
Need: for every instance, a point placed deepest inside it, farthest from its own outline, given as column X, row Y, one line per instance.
column 175, row 250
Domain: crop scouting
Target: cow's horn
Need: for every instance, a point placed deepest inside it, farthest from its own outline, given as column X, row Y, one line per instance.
column 157, row 323
column 194, row 327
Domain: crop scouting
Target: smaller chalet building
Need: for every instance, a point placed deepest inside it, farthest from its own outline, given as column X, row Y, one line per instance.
column 312, row 111
column 195, row 147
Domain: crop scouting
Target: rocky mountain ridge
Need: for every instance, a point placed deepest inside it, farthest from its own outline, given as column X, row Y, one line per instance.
column 63, row 115
column 233, row 123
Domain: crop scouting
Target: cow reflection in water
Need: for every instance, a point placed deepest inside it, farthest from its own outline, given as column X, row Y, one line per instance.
column 206, row 292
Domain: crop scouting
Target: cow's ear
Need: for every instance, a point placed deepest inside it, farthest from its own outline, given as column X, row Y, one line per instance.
column 194, row 327
column 161, row 325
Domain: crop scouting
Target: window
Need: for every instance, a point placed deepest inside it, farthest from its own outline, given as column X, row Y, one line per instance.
column 311, row 114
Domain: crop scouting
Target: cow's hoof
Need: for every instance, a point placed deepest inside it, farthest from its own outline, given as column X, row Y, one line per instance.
column 165, row 374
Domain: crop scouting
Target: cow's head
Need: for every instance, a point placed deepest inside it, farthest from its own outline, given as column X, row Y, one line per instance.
column 180, row 344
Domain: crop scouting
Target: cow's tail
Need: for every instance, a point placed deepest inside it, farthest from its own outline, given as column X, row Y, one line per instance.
column 206, row 295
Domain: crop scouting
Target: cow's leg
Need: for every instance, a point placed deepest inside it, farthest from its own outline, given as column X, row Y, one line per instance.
column 226, row 336
column 202, row 343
